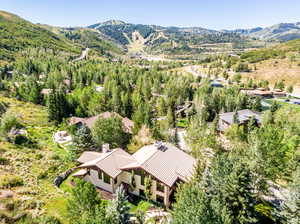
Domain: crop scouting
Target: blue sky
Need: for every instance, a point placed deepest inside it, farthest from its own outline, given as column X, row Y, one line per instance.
column 214, row 14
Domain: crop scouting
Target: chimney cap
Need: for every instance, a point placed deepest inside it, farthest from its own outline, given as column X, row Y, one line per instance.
column 105, row 148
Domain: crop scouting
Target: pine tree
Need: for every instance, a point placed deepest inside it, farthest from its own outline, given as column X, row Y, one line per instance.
column 291, row 207
column 192, row 206
column 82, row 139
column 236, row 118
column 171, row 118
column 58, row 107
column 118, row 209
column 83, row 202
column 232, row 191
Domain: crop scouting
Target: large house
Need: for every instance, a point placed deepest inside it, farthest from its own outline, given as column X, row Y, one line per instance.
column 263, row 93
column 243, row 117
column 90, row 121
column 164, row 163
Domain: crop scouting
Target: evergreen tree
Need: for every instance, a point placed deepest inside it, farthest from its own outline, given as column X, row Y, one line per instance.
column 82, row 139
column 232, row 190
column 290, row 89
column 57, row 105
column 83, row 202
column 171, row 118
column 236, row 118
column 291, row 207
column 192, row 206
column 118, row 209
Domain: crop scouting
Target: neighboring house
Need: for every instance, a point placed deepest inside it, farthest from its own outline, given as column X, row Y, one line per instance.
column 243, row 117
column 259, row 93
column 164, row 163
column 90, row 121
column 216, row 84
column 46, row 91
column 263, row 93
column 277, row 93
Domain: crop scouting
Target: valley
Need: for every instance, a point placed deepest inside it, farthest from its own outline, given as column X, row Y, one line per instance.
column 122, row 123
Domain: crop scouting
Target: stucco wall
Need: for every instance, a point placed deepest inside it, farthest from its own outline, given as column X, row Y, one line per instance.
column 125, row 177
column 93, row 178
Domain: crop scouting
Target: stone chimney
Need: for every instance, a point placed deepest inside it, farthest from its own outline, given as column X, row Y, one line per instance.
column 105, row 148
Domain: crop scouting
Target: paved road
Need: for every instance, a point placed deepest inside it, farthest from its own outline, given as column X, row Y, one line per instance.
column 181, row 133
column 83, row 55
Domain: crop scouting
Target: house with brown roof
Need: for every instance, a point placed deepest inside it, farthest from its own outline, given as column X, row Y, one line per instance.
column 162, row 163
column 90, row 121
column 259, row 93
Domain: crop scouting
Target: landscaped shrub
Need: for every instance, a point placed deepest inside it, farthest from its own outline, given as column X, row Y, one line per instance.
column 8, row 122
column 3, row 161
column 21, row 140
column 8, row 181
column 49, row 220
column 42, row 175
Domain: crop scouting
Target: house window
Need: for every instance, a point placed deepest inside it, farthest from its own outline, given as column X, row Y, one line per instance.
column 140, row 173
column 106, row 178
column 160, row 187
column 160, row 199
column 142, row 193
column 100, row 175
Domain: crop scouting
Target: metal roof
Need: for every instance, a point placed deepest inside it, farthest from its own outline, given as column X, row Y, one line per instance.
column 165, row 162
column 166, row 165
column 243, row 115
column 90, row 121
column 109, row 162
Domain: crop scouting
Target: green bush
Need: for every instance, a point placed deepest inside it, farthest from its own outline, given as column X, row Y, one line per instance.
column 49, row 220
column 3, row 161
column 8, row 181
column 8, row 122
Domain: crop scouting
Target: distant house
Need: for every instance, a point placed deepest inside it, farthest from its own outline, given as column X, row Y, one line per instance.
column 164, row 163
column 67, row 82
column 216, row 84
column 263, row 93
column 46, row 91
column 243, row 117
column 90, row 121
column 277, row 93
column 99, row 88
column 259, row 93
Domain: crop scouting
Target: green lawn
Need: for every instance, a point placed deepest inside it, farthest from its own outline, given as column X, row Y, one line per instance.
column 37, row 164
column 285, row 104
column 182, row 123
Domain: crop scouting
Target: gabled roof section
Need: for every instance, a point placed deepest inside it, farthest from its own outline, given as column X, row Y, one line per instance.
column 167, row 164
column 90, row 121
column 163, row 161
column 88, row 156
column 109, row 162
column 243, row 116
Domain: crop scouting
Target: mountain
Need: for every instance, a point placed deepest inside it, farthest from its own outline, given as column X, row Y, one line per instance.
column 281, row 32
column 159, row 39
column 16, row 34
column 244, row 31
column 107, row 23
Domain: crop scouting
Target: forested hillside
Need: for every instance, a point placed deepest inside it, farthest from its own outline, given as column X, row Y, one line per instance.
column 17, row 34
column 241, row 151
